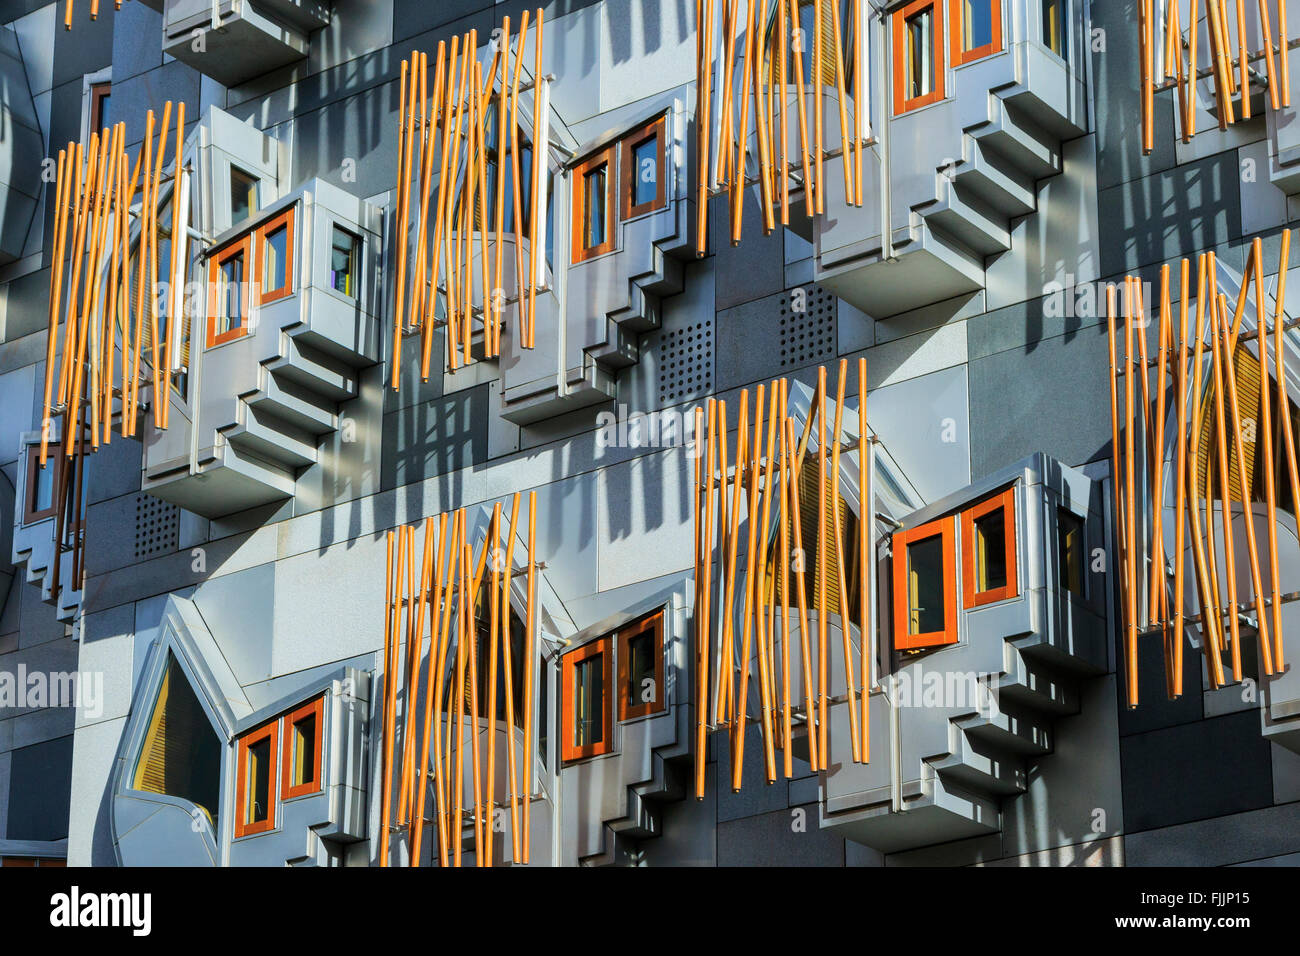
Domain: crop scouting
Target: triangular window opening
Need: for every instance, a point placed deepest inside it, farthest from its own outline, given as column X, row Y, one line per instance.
column 181, row 756
column 483, row 647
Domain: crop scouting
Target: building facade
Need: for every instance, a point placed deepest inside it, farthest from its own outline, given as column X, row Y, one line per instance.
column 634, row 432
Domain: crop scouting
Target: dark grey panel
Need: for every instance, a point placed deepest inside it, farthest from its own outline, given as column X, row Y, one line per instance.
column 1048, row 396
column 1223, row 840
column 28, row 309
column 1156, row 709
column 772, row 839
column 769, row 338
column 137, row 41
column 416, row 16
column 1193, row 771
column 87, row 47
column 1170, row 214
column 754, row 268
column 40, row 782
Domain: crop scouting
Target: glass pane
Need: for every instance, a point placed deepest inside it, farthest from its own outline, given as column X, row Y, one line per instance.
column 274, row 257
column 43, row 487
column 1069, row 530
column 229, row 296
column 589, row 702
column 925, row 585
column 243, row 195
column 1054, row 26
column 645, row 158
column 181, row 756
column 594, row 188
column 257, row 805
column 991, row 551
column 920, row 66
column 343, row 261
column 641, row 687
column 977, row 23
column 304, row 751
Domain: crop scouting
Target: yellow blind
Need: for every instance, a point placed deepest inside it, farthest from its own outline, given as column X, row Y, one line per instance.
column 813, row 571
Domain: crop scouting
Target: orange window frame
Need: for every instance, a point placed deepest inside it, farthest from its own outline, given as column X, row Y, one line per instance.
column 903, row 639
column 98, row 93
column 957, row 21
column 629, row 708
column 628, row 173
column 570, row 751
column 54, row 462
column 288, row 790
column 242, row 247
column 902, row 103
column 578, row 180
column 243, row 829
column 972, row 596
column 285, row 219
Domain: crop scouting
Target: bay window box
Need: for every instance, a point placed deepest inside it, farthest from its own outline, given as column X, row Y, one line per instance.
column 925, row 586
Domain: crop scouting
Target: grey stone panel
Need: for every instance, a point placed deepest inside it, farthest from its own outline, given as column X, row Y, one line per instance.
column 1232, row 838
column 85, row 48
column 1049, row 396
column 1195, row 771
column 434, row 438
column 1157, row 711
column 751, row 270
column 779, row 838
column 137, row 43
column 767, row 338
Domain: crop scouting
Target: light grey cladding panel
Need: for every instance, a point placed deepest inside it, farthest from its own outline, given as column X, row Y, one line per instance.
column 774, row 336
column 647, row 46
column 925, row 425
column 239, row 609
column 645, row 518
column 434, row 438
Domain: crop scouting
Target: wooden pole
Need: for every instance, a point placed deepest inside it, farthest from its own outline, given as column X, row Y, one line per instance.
column 866, row 522
column 529, row 654
column 1229, row 551
column 796, row 523
column 703, row 629
column 855, row 735
column 819, row 582
column 508, row 660
column 1180, row 480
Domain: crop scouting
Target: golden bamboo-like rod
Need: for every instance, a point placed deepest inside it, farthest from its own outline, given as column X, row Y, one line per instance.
column 470, row 598
column 801, row 107
column 1145, row 79
column 1252, row 545
column 1156, row 585
column 131, row 373
column 445, row 84
column 855, row 735
column 703, row 131
column 458, row 692
column 404, row 145
column 1220, row 420
column 166, row 364
column 1284, row 52
column 493, row 346
column 522, row 335
column 539, row 158
column 858, row 104
column 485, row 263
column 787, row 746
column 56, row 282
column 1283, row 402
column 866, row 513
column 725, row 560
column 114, row 278
column 1268, row 51
column 1242, row 59
column 737, row 183
column 159, row 384
column 107, row 176
column 1189, row 97
column 528, row 666
column 1222, row 72
column 782, row 85
column 142, row 250
column 823, row 655
column 1180, row 478
column 1265, row 435
column 507, row 658
column 494, row 623
column 389, row 703
column 819, row 124
column 760, row 131
column 726, row 78
column 416, row 588
column 1130, row 510
column 433, row 691
column 751, row 597
column 846, row 152
column 727, row 667
column 703, row 630
column 79, row 183
column 84, row 319
column 796, row 523
column 428, row 148
column 764, row 633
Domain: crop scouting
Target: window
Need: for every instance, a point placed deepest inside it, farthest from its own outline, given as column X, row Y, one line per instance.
column 976, row 29
column 988, row 547
column 925, row 586
column 38, row 501
column 302, row 750
column 1054, row 20
column 30, row 861
column 586, row 730
column 100, row 95
column 643, row 186
column 593, row 214
column 181, row 756
column 1070, row 551
column 812, row 572
column 641, row 689
column 343, row 262
column 275, row 247
column 243, row 195
column 918, row 55
column 228, row 305
column 254, row 782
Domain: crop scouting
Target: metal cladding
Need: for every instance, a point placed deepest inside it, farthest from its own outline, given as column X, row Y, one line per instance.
column 1171, row 59
column 441, row 581
column 452, row 124
column 104, row 314
column 763, row 483
column 1179, row 460
column 753, row 71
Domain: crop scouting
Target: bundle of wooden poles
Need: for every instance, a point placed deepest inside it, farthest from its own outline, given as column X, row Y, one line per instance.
column 1198, row 357
column 1230, row 61
column 91, row 294
column 434, row 587
column 770, row 455
column 449, row 130
column 94, row 11
column 763, row 83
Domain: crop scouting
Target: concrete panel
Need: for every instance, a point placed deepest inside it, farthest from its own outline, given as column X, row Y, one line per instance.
column 648, row 46
column 40, row 785
column 645, row 517
column 1234, row 838
column 90, row 839
column 924, row 422
column 782, row 838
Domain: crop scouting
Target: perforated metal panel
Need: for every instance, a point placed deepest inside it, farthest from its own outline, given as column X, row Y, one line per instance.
column 686, row 362
column 806, row 326
column 157, row 527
